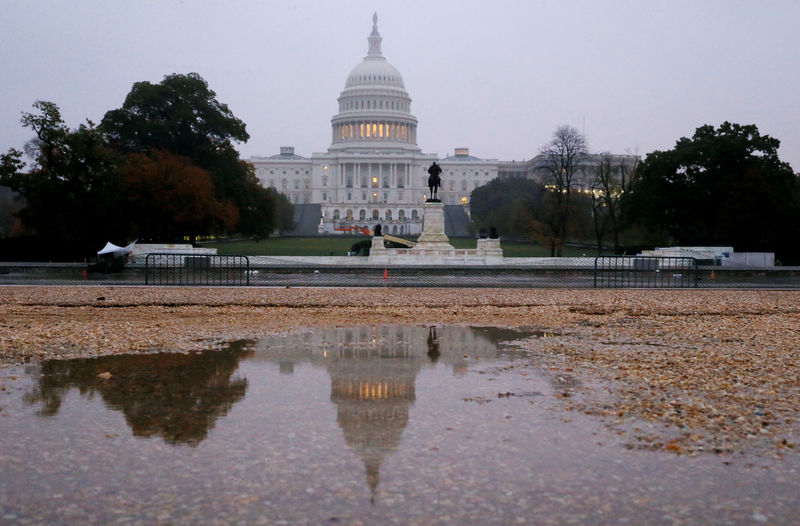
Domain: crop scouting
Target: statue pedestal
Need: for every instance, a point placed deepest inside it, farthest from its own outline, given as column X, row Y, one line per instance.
column 433, row 236
column 377, row 252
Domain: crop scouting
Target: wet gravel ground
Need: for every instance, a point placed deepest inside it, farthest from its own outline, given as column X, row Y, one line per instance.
column 713, row 370
column 266, row 433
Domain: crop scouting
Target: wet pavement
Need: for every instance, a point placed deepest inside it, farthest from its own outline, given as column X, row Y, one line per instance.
column 388, row 424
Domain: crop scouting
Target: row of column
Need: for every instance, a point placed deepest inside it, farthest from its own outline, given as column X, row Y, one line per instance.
column 357, row 172
column 374, row 130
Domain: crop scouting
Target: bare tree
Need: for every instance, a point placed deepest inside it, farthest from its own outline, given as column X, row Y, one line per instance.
column 614, row 177
column 562, row 156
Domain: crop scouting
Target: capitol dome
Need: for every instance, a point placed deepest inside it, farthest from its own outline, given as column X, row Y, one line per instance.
column 374, row 107
column 375, row 71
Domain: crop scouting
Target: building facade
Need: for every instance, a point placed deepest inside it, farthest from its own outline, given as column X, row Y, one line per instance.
column 373, row 171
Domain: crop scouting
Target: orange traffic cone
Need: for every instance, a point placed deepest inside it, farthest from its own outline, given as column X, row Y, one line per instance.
column 385, row 273
column 712, row 275
column 84, row 273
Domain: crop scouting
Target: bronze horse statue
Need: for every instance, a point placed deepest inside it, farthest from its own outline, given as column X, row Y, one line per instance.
column 434, row 181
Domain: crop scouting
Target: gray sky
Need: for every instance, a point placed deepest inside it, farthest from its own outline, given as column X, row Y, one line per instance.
column 495, row 76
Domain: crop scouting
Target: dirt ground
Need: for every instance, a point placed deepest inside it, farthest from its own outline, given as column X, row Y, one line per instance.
column 687, row 371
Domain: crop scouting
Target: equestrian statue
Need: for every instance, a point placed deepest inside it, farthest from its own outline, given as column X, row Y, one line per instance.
column 434, row 182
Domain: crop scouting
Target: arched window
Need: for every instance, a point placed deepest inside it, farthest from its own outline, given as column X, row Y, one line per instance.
column 414, row 215
column 336, row 214
column 362, row 214
column 394, row 229
column 284, row 183
column 348, row 215
column 401, row 215
column 388, row 215
column 376, row 215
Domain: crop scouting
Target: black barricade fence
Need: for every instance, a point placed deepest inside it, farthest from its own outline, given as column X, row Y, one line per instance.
column 644, row 272
column 206, row 270
column 236, row 270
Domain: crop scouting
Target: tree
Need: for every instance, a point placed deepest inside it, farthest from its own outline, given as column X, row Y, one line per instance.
column 503, row 201
column 169, row 197
column 724, row 186
column 72, row 190
column 614, row 177
column 562, row 156
column 181, row 115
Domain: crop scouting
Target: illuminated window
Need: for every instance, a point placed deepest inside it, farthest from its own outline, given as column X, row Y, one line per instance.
column 374, row 182
column 463, row 200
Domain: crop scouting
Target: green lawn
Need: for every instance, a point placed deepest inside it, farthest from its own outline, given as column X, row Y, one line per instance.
column 339, row 246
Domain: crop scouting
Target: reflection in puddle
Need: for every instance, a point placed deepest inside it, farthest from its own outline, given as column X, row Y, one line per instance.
column 373, row 371
column 369, row 424
column 175, row 396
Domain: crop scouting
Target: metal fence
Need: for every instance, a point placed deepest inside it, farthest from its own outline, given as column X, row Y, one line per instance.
column 180, row 269
column 576, row 273
column 645, row 272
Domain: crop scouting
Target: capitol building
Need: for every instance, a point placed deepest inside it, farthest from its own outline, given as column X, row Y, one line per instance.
column 374, row 172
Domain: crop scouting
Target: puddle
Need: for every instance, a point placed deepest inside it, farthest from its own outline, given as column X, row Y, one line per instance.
column 370, row 424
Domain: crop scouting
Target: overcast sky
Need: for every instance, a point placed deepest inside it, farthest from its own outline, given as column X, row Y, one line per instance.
column 495, row 76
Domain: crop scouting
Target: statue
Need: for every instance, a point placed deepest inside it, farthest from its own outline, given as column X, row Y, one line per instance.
column 434, row 181
column 377, row 231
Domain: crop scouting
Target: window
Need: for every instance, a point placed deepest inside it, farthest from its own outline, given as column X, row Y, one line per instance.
column 401, row 215
column 324, row 196
column 297, row 184
column 324, row 180
column 388, row 215
column 336, row 214
column 348, row 215
column 362, row 214
column 284, row 183
column 463, row 184
column 376, row 215
column 414, row 215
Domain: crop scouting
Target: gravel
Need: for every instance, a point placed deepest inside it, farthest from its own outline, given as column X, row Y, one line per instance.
column 708, row 370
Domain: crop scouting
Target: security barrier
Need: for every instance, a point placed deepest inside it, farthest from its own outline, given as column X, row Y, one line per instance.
column 644, row 272
column 182, row 269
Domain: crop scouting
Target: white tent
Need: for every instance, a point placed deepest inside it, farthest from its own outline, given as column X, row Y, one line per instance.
column 111, row 248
